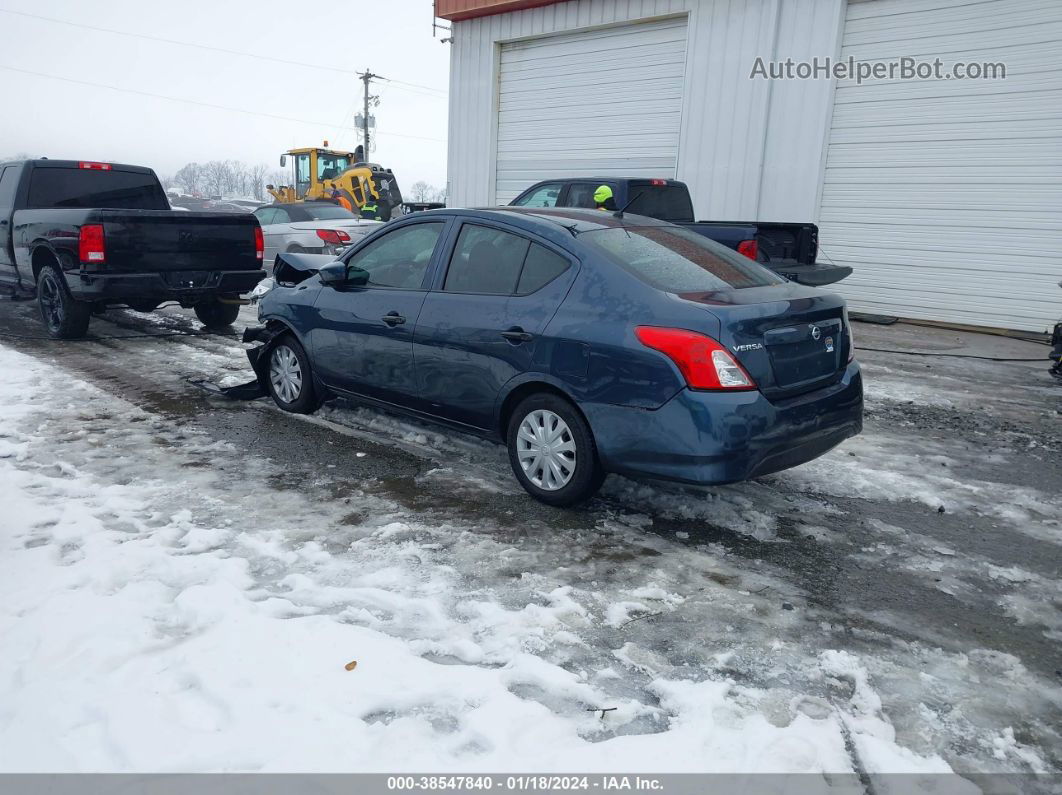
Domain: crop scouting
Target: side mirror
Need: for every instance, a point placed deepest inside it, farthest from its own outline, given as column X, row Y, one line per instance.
column 283, row 161
column 339, row 274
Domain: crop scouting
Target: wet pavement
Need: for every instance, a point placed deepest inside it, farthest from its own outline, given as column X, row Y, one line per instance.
column 930, row 546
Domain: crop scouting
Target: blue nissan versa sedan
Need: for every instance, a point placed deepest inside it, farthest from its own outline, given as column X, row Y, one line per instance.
column 589, row 342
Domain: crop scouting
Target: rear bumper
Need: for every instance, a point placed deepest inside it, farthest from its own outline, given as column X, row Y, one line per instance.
column 184, row 286
column 713, row 437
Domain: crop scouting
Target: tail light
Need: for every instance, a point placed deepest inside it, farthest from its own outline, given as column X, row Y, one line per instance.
column 90, row 244
column 750, row 248
column 703, row 362
column 658, row 182
column 851, row 336
column 337, row 237
column 94, row 166
column 259, row 243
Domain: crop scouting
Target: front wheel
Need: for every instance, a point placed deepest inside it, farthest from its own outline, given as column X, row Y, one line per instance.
column 214, row 314
column 552, row 451
column 290, row 378
column 64, row 317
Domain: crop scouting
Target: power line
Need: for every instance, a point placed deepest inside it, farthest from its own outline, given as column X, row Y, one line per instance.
column 324, row 124
column 209, row 47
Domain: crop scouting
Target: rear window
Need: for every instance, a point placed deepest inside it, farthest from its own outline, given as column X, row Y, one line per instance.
column 666, row 202
column 676, row 260
column 327, row 212
column 87, row 188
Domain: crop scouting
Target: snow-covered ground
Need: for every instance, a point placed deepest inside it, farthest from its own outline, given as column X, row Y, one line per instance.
column 170, row 602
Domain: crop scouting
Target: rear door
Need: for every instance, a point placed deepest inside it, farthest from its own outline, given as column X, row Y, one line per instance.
column 362, row 337
column 481, row 325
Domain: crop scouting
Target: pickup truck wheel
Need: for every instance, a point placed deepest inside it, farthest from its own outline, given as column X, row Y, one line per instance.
column 214, row 314
column 64, row 317
column 290, row 377
column 552, row 451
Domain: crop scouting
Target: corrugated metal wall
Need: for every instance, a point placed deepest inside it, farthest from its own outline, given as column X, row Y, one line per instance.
column 748, row 148
column 945, row 196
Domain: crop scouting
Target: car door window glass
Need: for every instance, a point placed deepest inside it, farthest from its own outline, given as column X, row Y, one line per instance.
column 266, row 217
column 540, row 268
column 8, row 181
column 546, row 196
column 399, row 258
column 581, row 194
column 486, row 260
column 281, row 216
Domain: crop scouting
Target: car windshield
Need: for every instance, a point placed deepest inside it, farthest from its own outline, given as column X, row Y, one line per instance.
column 327, row 212
column 677, row 260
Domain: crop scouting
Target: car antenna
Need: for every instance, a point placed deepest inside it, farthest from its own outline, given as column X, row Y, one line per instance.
column 623, row 209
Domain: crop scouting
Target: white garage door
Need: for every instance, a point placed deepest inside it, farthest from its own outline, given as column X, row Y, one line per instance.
column 596, row 103
column 945, row 196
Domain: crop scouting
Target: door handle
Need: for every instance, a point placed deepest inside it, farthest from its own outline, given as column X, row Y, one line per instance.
column 393, row 319
column 517, row 335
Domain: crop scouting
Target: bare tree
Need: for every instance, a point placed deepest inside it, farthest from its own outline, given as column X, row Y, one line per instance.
column 191, row 177
column 256, row 178
column 421, row 191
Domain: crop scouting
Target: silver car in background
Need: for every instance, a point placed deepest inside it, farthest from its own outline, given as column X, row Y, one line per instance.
column 310, row 228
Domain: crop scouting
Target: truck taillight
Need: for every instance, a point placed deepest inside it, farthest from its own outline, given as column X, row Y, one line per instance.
column 259, row 243
column 851, row 337
column 94, row 166
column 90, row 244
column 337, row 237
column 750, row 248
column 703, row 362
column 658, row 182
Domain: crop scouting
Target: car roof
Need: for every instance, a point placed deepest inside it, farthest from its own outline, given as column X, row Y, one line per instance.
column 574, row 219
column 46, row 163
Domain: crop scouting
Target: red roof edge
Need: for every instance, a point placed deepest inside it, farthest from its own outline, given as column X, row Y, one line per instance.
column 458, row 10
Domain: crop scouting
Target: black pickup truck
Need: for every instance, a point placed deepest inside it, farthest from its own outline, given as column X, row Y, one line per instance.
column 789, row 249
column 83, row 236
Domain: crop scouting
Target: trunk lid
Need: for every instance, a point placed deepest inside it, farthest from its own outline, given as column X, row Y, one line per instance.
column 139, row 241
column 791, row 339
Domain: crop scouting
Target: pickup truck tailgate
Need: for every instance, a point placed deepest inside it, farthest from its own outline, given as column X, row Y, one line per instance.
column 160, row 241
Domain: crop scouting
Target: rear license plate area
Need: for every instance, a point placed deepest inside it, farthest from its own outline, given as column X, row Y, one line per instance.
column 804, row 353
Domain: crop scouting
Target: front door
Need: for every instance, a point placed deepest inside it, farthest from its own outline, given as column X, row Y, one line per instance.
column 362, row 338
column 481, row 327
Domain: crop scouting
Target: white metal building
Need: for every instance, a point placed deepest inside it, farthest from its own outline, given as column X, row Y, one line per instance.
column 945, row 196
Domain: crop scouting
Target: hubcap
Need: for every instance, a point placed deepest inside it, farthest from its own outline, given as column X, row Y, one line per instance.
column 51, row 302
column 285, row 374
column 545, row 449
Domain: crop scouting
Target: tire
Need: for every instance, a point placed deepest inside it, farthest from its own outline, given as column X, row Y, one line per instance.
column 214, row 314
column 534, row 423
column 64, row 317
column 290, row 377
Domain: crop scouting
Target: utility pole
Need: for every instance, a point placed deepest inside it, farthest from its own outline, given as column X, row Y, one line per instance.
column 367, row 77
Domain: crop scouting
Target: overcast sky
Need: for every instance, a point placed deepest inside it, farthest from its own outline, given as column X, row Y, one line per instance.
column 62, row 119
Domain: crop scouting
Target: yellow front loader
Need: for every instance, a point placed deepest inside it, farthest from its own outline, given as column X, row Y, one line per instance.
column 322, row 174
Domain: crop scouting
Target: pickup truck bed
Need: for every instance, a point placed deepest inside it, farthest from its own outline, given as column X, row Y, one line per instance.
column 103, row 234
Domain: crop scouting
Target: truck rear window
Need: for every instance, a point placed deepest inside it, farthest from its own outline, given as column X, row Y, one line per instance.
column 665, row 202
column 86, row 188
column 676, row 260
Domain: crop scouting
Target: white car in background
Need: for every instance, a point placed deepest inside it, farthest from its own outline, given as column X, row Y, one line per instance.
column 310, row 228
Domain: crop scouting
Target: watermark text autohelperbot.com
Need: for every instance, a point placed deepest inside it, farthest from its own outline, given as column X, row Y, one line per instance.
column 905, row 68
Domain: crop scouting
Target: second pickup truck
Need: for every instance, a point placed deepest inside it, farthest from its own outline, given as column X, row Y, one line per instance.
column 789, row 249
column 83, row 236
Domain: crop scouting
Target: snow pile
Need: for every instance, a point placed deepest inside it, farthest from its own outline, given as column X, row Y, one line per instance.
column 168, row 618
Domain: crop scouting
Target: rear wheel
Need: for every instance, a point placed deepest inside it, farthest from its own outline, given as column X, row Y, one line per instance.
column 552, row 451
column 290, row 377
column 214, row 314
column 64, row 317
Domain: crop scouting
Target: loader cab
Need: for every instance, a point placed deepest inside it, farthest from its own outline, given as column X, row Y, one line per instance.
column 312, row 166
